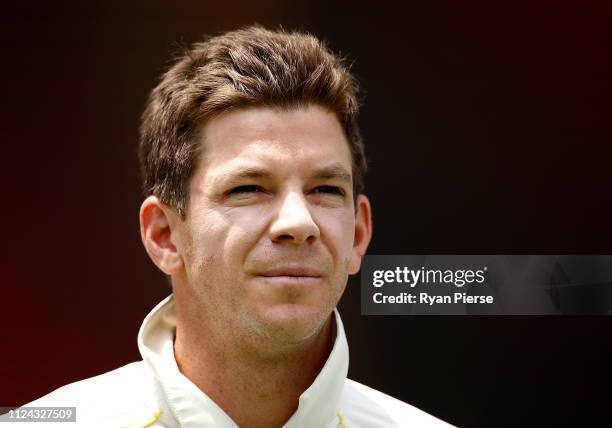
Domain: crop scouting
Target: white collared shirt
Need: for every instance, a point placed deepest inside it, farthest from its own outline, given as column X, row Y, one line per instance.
column 154, row 393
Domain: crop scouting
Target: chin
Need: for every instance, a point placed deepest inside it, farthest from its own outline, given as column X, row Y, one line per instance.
column 292, row 323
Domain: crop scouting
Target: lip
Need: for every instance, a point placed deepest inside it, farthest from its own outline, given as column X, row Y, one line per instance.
column 292, row 281
column 292, row 272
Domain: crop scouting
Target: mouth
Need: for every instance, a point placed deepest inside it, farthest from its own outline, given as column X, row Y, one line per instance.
column 292, row 275
column 297, row 271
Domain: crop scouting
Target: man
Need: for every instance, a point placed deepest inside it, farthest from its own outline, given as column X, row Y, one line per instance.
column 253, row 170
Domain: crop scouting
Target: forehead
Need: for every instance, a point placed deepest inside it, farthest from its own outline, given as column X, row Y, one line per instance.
column 292, row 139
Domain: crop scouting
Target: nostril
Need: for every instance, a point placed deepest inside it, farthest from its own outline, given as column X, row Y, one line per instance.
column 295, row 238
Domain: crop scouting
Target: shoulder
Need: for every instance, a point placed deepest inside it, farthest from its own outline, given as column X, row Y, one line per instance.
column 121, row 397
column 365, row 406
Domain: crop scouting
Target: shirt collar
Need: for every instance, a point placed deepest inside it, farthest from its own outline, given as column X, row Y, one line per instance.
column 186, row 405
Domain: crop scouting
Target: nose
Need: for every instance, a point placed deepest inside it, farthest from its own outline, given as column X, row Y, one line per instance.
column 293, row 222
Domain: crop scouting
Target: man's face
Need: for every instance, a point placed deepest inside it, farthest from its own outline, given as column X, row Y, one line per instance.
column 268, row 240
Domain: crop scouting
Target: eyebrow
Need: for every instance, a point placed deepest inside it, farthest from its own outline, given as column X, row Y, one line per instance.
column 334, row 171
column 250, row 172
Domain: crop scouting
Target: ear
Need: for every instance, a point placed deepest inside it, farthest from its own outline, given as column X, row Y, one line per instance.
column 363, row 233
column 157, row 222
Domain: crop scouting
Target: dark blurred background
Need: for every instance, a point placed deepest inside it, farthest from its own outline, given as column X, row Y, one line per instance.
column 487, row 126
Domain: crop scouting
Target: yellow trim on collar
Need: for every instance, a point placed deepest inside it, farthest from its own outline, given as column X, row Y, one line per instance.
column 152, row 421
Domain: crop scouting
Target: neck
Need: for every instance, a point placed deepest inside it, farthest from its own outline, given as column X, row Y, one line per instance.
column 254, row 391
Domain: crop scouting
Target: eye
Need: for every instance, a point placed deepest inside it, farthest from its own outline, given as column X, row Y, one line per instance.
column 332, row 190
column 251, row 188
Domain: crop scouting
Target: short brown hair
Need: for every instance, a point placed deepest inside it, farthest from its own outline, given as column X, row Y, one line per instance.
column 248, row 67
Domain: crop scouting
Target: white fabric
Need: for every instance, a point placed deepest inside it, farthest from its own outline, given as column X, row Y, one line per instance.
column 154, row 391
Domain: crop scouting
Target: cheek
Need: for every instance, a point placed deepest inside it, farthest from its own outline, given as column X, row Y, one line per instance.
column 204, row 238
column 338, row 232
column 234, row 233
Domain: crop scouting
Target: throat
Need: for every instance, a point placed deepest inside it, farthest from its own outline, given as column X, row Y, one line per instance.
column 254, row 392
